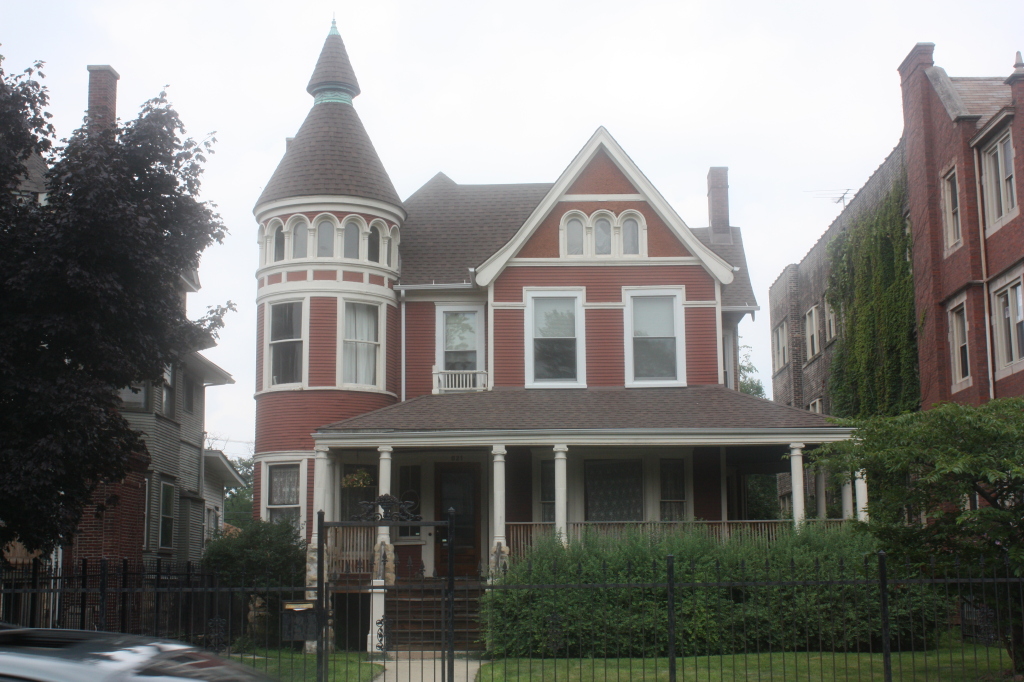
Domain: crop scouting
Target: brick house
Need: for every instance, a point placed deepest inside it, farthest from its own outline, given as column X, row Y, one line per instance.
column 960, row 158
column 556, row 356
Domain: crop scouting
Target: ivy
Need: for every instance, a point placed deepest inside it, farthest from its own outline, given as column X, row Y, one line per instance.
column 871, row 287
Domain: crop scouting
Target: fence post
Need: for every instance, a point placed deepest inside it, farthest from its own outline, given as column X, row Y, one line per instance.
column 156, row 601
column 321, row 620
column 671, row 570
column 85, row 594
column 103, row 594
column 33, row 615
column 124, row 595
column 451, row 594
column 883, row 588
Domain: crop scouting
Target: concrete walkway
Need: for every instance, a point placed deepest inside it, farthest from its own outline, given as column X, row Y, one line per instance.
column 405, row 668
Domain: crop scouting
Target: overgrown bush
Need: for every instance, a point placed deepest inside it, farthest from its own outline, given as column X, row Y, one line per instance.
column 262, row 554
column 607, row 597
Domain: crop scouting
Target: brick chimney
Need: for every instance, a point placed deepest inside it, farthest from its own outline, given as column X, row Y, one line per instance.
column 102, row 95
column 718, row 205
column 919, row 57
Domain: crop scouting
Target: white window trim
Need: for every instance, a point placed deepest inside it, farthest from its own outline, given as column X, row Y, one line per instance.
column 951, row 242
column 988, row 183
column 678, row 295
column 439, row 311
column 816, row 406
column 382, row 319
column 811, row 333
column 577, row 293
column 297, row 458
column 957, row 385
column 1002, row 285
column 268, row 360
column 589, row 223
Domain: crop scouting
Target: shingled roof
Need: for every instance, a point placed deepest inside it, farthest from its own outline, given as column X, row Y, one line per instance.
column 34, row 180
column 520, row 409
column 452, row 227
column 331, row 154
column 740, row 293
column 983, row 97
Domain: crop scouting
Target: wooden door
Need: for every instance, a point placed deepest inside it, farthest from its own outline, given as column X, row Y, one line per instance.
column 458, row 486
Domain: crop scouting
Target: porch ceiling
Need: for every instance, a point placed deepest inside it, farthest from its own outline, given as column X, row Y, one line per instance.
column 694, row 415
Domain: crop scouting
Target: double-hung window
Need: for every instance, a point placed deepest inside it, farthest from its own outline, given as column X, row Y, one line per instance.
column 780, row 346
column 166, row 515
column 555, row 339
column 460, row 347
column 283, row 493
column 830, row 323
column 998, row 178
column 811, row 341
column 1009, row 323
column 959, row 344
column 286, row 343
column 951, row 209
column 673, row 490
column 362, row 344
column 654, row 338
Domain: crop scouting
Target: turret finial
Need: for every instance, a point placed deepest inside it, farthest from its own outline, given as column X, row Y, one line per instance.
column 1018, row 70
column 334, row 27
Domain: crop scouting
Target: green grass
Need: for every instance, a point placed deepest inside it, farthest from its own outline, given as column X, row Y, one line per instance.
column 288, row 665
column 967, row 664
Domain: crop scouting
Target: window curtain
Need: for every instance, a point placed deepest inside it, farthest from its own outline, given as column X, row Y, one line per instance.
column 360, row 354
column 460, row 341
column 614, row 490
column 284, row 484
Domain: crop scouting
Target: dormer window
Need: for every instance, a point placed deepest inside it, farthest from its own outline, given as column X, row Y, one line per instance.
column 278, row 243
column 373, row 245
column 300, row 239
column 352, row 240
column 602, row 235
column 325, row 239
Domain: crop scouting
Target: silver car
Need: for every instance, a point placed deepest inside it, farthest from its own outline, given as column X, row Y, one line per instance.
column 38, row 655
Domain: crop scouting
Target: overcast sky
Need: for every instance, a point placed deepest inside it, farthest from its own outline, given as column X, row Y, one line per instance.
column 801, row 101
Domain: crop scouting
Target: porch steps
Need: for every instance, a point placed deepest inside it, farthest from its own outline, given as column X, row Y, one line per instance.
column 415, row 614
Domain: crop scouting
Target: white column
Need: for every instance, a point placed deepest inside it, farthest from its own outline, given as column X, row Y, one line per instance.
column 847, row 499
column 330, row 490
column 498, row 455
column 320, row 485
column 819, row 493
column 561, row 497
column 860, row 487
column 796, row 468
column 384, row 488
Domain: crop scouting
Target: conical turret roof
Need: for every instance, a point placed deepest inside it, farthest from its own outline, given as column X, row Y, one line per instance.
column 331, row 154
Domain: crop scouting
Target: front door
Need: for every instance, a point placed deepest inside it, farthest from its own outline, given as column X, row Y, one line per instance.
column 458, row 487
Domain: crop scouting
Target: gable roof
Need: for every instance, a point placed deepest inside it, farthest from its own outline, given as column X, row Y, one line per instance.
column 453, row 227
column 525, row 411
column 602, row 139
column 967, row 98
column 740, row 292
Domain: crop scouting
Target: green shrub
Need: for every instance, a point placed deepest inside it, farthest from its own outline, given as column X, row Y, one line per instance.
column 606, row 597
column 262, row 554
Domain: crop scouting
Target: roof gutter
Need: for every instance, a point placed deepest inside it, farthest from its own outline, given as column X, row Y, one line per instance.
column 434, row 287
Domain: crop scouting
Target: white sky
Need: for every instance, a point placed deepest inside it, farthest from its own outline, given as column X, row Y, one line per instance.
column 798, row 98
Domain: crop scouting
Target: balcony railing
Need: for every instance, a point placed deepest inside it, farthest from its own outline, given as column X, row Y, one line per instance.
column 459, row 381
column 350, row 550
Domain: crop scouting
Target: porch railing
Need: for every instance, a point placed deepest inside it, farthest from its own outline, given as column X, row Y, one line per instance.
column 455, row 381
column 349, row 550
column 522, row 536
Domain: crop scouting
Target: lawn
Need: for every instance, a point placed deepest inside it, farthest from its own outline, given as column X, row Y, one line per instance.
column 967, row 664
column 288, row 665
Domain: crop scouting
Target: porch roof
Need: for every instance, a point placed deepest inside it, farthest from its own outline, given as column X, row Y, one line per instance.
column 691, row 414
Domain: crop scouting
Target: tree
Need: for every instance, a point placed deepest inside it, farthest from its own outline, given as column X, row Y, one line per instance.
column 92, row 301
column 749, row 383
column 238, row 501
column 946, row 484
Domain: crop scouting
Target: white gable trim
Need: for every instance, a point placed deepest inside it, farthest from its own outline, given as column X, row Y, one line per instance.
column 492, row 267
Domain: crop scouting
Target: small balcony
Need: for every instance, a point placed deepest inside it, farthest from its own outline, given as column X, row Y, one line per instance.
column 459, row 381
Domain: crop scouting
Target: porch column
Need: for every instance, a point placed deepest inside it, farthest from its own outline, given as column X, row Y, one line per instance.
column 498, row 456
column 847, row 499
column 331, row 490
column 320, row 485
column 796, row 468
column 860, row 487
column 819, row 493
column 561, row 498
column 384, row 488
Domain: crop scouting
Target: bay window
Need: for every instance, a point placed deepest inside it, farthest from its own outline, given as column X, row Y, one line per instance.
column 654, row 338
column 283, row 493
column 554, row 339
column 286, row 343
column 361, row 344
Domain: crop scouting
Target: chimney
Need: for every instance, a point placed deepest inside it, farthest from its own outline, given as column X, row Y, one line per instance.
column 102, row 95
column 919, row 57
column 718, row 205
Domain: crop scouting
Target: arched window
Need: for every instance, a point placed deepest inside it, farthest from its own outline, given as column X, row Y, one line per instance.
column 300, row 239
column 574, row 237
column 603, row 237
column 278, row 243
column 325, row 239
column 373, row 246
column 630, row 237
column 387, row 253
column 351, row 240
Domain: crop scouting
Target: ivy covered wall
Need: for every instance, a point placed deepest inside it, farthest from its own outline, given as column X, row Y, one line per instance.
column 874, row 367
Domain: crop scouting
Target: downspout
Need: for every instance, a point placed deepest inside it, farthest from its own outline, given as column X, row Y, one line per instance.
column 989, row 351
column 402, row 305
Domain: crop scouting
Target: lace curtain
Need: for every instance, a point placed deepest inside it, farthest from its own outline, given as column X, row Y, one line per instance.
column 614, row 490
